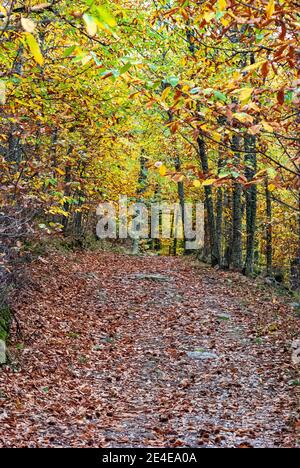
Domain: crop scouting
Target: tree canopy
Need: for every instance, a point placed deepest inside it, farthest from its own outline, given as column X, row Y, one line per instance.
column 208, row 90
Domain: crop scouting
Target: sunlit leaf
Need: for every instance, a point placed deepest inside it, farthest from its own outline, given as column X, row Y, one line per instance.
column 28, row 25
column 267, row 127
column 222, row 4
column 166, row 93
column 270, row 8
column 271, row 187
column 34, row 48
column 91, row 24
column 106, row 16
column 244, row 94
column 208, row 182
column 254, row 66
column 162, row 170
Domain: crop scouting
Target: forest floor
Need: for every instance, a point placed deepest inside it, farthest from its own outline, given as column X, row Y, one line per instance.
column 122, row 351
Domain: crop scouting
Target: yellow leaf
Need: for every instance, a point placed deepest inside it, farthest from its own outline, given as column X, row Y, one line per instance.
column 197, row 183
column 254, row 66
column 28, row 25
column 56, row 210
column 225, row 22
column 236, row 76
column 162, row 170
column 271, row 187
column 267, row 127
column 216, row 136
column 270, row 8
column 244, row 94
column 34, row 48
column 59, row 171
column 222, row 5
column 103, row 26
column 208, row 182
column 107, row 17
column 204, row 128
column 166, row 93
column 209, row 15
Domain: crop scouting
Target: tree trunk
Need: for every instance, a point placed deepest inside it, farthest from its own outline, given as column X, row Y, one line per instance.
column 251, row 202
column 295, row 266
column 269, row 234
column 219, row 221
column 237, row 248
column 14, row 150
column 181, row 196
column 67, row 193
column 142, row 185
column 228, row 231
column 209, row 202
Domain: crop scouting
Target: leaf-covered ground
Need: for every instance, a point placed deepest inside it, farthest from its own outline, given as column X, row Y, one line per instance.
column 113, row 356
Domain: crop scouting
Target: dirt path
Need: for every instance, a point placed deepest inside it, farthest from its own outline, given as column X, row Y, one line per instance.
column 113, row 356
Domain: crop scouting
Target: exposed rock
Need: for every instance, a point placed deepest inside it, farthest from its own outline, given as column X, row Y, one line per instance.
column 202, row 355
column 296, row 352
column 151, row 277
column 224, row 316
column 2, row 352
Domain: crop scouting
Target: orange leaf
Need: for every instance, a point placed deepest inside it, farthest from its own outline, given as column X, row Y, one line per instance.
column 265, row 69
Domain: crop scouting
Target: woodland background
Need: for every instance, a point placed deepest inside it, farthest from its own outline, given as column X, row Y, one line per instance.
column 160, row 101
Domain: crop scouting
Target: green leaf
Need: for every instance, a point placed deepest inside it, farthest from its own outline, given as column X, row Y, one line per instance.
column 106, row 16
column 272, row 172
column 69, row 51
column 220, row 96
column 173, row 80
column 125, row 68
column 97, row 61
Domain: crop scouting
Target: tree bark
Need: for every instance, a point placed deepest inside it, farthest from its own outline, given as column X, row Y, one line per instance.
column 142, row 185
column 228, row 231
column 237, row 248
column 209, row 202
column 269, row 234
column 181, row 196
column 251, row 202
column 219, row 221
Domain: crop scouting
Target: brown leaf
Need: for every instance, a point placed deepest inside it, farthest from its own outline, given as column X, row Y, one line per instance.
column 280, row 97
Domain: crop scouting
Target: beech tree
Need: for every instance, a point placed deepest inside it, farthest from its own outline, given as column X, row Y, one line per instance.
column 209, row 89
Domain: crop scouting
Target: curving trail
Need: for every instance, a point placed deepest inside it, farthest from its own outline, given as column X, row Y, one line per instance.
column 123, row 351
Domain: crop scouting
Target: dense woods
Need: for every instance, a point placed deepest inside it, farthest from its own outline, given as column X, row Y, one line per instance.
column 208, row 89
column 174, row 101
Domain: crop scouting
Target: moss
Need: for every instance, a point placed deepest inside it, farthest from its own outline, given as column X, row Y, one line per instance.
column 5, row 319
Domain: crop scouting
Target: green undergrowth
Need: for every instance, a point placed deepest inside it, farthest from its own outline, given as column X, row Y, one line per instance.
column 5, row 320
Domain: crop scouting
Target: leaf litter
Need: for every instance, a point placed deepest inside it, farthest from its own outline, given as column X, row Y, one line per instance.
column 111, row 357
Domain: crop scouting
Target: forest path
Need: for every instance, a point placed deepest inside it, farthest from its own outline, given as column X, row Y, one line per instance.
column 113, row 356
